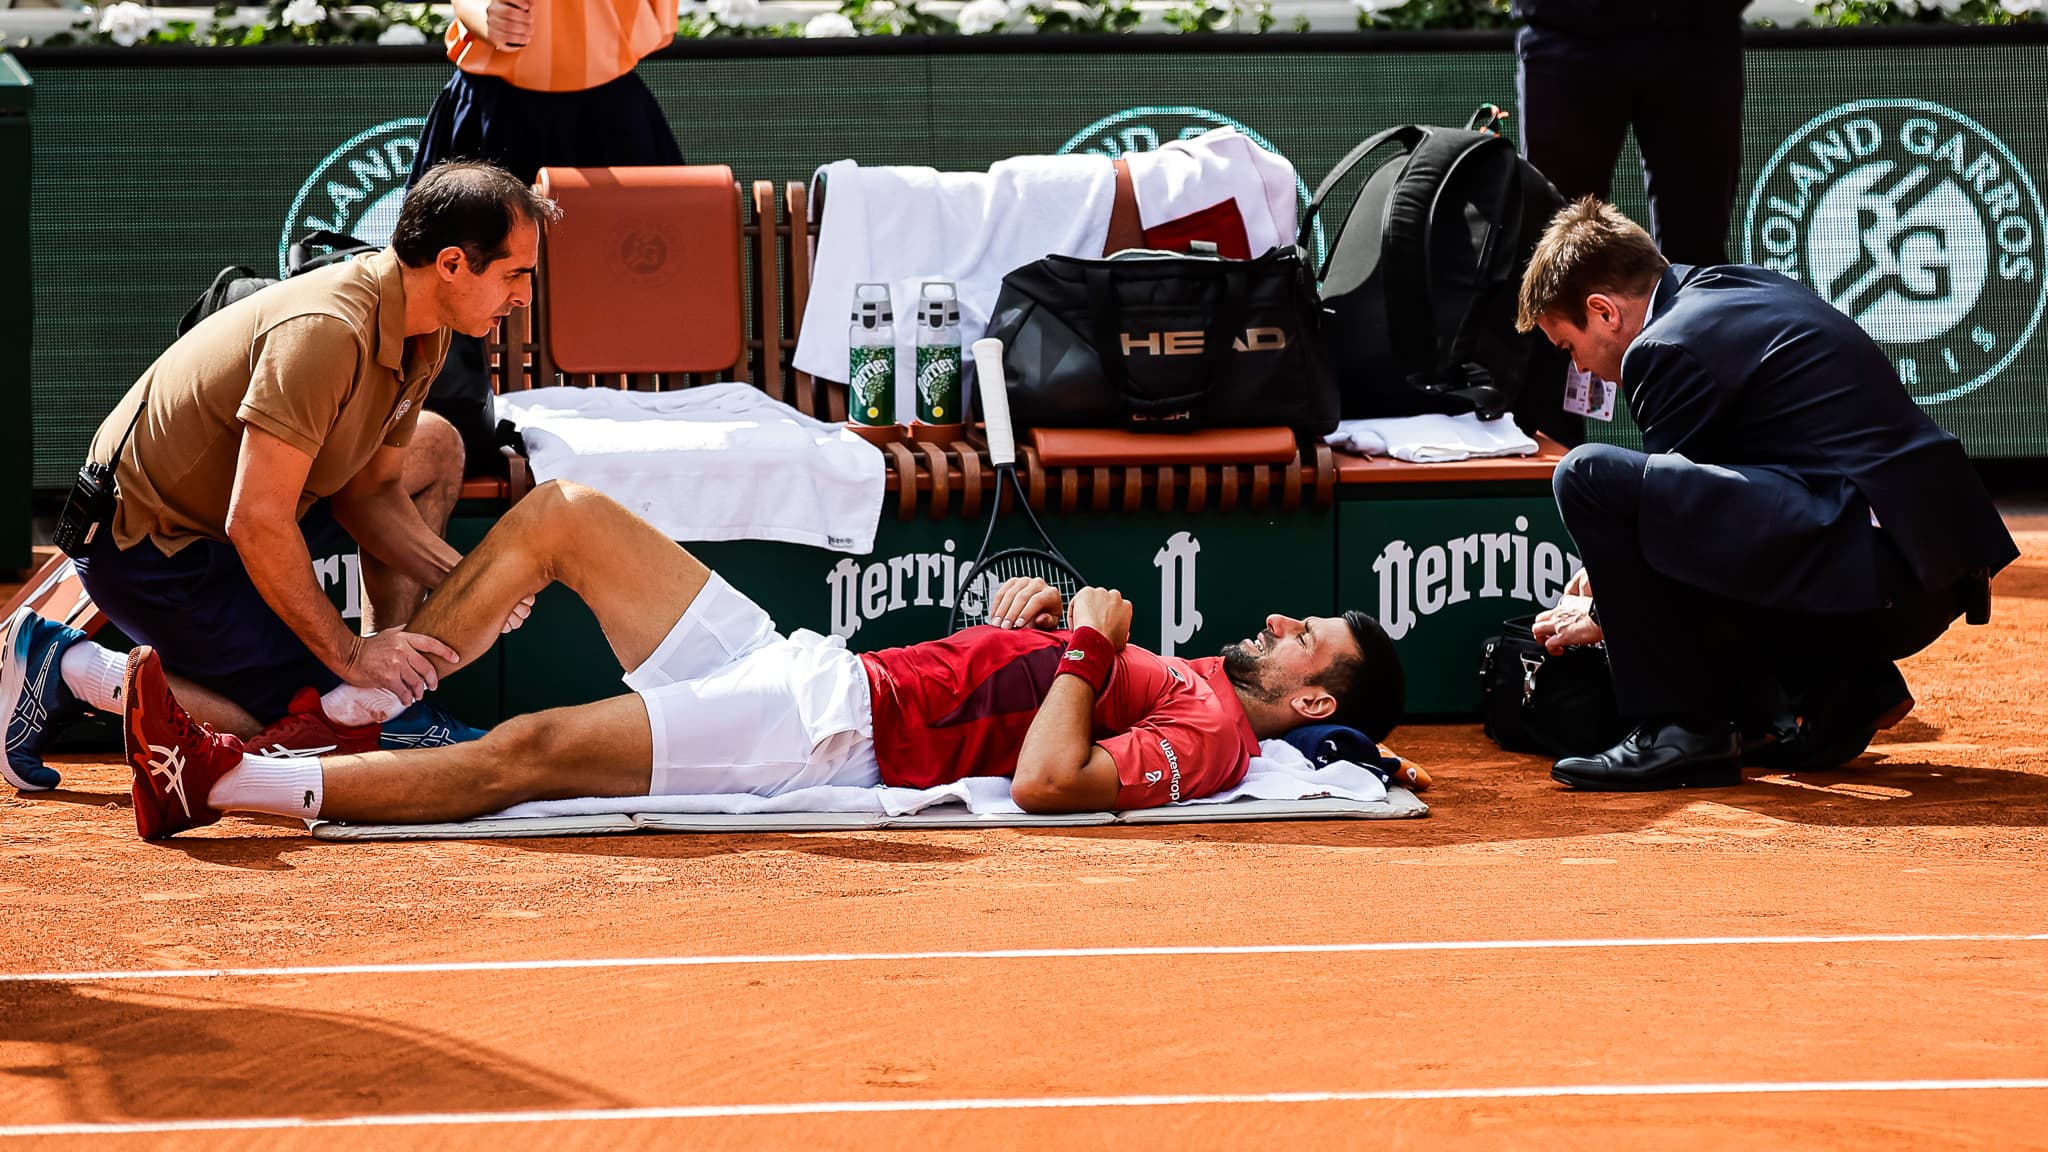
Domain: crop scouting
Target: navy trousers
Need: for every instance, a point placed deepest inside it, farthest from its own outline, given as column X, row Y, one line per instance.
column 1678, row 650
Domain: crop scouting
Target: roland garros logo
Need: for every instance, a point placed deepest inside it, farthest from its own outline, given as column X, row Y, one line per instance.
column 1147, row 126
column 357, row 189
column 1918, row 223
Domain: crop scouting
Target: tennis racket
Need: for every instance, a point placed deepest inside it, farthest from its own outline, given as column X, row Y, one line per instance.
column 991, row 569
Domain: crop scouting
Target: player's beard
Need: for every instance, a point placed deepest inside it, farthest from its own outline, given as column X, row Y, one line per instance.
column 1247, row 672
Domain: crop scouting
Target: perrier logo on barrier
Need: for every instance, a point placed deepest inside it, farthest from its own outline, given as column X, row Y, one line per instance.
column 1917, row 222
column 357, row 189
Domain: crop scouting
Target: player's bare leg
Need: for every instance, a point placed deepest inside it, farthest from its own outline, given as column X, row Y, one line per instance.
column 636, row 580
column 601, row 749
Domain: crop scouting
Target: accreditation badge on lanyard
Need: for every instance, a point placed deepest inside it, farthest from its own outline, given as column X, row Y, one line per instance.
column 1588, row 395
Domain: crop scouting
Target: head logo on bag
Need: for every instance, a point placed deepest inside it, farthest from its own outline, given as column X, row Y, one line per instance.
column 1147, row 126
column 357, row 189
column 1918, row 224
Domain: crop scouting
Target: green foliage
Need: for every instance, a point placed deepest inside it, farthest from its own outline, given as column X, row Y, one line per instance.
column 373, row 21
column 335, row 24
column 1866, row 13
column 1103, row 16
column 1434, row 15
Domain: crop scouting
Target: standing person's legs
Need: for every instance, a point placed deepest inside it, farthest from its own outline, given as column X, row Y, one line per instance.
column 1573, row 113
column 1688, row 117
column 432, row 479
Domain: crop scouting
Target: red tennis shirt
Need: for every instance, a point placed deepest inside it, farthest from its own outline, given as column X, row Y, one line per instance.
column 960, row 706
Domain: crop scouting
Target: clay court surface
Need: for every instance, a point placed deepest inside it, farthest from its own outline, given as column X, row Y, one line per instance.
column 790, row 993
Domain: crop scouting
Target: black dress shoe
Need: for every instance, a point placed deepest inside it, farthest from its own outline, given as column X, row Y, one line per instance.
column 1833, row 723
column 1656, row 756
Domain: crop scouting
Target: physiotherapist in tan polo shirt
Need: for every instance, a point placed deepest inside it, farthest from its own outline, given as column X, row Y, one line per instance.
column 275, row 421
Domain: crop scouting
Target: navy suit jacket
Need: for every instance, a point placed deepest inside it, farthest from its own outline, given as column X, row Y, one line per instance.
column 1801, row 430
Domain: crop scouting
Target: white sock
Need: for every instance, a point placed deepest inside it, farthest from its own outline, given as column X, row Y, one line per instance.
column 353, row 707
column 94, row 675
column 279, row 785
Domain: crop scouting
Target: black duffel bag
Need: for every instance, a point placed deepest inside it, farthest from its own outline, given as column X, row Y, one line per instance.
column 238, row 280
column 1165, row 342
column 1556, row 703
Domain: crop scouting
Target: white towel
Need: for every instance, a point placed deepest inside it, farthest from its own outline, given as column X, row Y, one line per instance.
column 1278, row 772
column 1432, row 439
column 715, row 462
column 902, row 226
column 1186, row 176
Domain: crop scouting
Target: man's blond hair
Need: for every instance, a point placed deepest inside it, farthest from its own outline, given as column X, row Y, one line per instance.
column 1588, row 247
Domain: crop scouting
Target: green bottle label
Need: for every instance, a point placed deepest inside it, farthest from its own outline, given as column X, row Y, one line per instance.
column 938, row 383
column 873, row 375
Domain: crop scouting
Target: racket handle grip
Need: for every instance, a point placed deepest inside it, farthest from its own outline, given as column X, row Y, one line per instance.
column 995, row 401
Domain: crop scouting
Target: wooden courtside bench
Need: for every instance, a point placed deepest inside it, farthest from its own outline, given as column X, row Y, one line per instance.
column 662, row 278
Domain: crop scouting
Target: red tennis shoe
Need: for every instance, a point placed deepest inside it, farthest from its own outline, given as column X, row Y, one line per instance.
column 306, row 731
column 176, row 760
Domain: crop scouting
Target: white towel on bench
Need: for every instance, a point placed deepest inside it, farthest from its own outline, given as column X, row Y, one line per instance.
column 1433, row 439
column 715, row 462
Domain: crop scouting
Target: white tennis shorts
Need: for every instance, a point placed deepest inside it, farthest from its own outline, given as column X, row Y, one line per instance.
column 737, row 707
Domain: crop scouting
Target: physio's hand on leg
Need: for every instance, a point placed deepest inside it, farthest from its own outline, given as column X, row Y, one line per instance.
column 397, row 661
column 518, row 615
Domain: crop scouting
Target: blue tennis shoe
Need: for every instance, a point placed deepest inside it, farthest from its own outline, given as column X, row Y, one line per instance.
column 32, row 694
column 425, row 725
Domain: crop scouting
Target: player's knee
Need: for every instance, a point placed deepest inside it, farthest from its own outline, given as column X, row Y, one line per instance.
column 520, row 756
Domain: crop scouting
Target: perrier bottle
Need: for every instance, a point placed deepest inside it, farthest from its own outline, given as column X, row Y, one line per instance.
column 871, row 357
column 938, row 353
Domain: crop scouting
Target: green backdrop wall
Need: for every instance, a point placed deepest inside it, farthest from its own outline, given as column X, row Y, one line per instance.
column 1896, row 175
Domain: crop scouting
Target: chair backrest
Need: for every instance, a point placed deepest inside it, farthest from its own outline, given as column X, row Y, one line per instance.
column 642, row 277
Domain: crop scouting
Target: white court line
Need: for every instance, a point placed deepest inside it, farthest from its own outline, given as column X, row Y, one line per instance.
column 852, row 1107
column 1009, row 954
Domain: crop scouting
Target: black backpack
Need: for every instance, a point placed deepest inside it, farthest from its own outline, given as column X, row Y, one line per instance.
column 238, row 280
column 1422, row 278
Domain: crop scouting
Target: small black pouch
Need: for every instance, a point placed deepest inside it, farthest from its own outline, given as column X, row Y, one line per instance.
column 88, row 511
column 1558, row 704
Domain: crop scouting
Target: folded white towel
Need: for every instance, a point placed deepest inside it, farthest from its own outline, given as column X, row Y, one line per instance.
column 716, row 462
column 1278, row 772
column 1186, row 176
column 1432, row 439
column 902, row 226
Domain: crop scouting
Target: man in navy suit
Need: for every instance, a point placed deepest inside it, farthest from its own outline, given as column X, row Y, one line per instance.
column 1794, row 526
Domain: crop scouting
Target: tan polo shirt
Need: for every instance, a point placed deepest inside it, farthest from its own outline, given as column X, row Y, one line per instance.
column 320, row 361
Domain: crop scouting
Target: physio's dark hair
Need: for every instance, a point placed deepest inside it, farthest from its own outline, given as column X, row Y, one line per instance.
column 465, row 204
column 1372, row 691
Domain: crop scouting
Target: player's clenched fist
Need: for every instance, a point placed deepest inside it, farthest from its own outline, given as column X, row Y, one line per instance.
column 1025, row 602
column 1106, row 611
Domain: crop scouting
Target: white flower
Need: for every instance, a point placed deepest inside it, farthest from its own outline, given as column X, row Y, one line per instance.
column 2020, row 7
column 733, row 13
column 828, row 24
column 1374, row 7
column 402, row 34
column 128, row 23
column 978, row 16
column 304, row 13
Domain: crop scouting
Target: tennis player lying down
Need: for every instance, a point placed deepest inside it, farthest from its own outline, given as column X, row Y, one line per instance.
column 723, row 703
